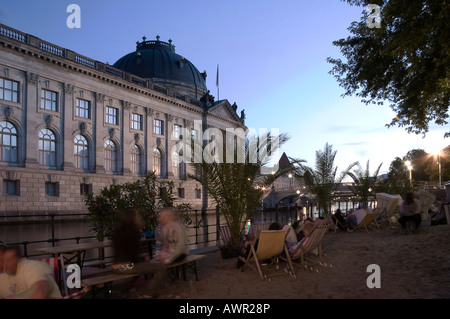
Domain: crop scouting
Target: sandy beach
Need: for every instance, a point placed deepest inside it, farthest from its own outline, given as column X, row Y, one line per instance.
column 411, row 265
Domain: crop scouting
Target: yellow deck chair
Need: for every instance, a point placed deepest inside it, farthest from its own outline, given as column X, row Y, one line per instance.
column 271, row 243
column 367, row 220
column 313, row 243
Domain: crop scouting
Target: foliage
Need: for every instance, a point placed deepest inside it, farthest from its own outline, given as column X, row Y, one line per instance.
column 405, row 62
column 364, row 185
column 236, row 185
column 146, row 196
column 322, row 181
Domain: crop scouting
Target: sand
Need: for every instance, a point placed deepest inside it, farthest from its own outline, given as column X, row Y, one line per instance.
column 411, row 266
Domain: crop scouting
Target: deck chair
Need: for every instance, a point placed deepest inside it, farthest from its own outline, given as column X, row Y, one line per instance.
column 59, row 274
column 271, row 244
column 314, row 242
column 333, row 224
column 388, row 204
column 224, row 235
column 367, row 220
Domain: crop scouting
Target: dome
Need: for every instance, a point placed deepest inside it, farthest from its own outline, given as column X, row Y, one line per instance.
column 157, row 62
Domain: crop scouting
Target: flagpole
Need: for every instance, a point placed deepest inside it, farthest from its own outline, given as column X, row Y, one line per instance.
column 217, row 82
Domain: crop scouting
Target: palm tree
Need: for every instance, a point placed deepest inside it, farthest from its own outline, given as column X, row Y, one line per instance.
column 364, row 185
column 237, row 187
column 322, row 181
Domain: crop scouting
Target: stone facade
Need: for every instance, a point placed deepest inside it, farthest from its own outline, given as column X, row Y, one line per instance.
column 65, row 95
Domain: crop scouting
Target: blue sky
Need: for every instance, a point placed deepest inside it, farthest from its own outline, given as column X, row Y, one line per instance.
column 272, row 57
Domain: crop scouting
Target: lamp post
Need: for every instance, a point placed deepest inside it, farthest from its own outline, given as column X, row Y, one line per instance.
column 409, row 166
column 290, row 180
column 438, row 153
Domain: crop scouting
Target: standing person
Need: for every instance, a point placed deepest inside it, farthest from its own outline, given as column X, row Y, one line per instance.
column 409, row 210
column 173, row 237
column 126, row 243
column 26, row 279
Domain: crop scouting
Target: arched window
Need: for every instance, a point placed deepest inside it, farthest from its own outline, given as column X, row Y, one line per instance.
column 136, row 160
column 47, row 148
column 157, row 162
column 8, row 142
column 81, row 152
column 110, row 156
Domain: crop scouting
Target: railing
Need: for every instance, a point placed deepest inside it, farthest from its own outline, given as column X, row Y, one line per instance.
column 201, row 233
column 99, row 66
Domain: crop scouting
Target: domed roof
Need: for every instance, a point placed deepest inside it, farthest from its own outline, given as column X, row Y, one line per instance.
column 157, row 62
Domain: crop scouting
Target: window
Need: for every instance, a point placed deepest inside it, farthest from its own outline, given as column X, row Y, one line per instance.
column 178, row 167
column 198, row 193
column 81, row 152
column 112, row 115
column 158, row 127
column 83, row 109
column 85, row 189
column 10, row 187
column 176, row 133
column 181, row 192
column 8, row 142
column 48, row 100
column 110, row 156
column 47, row 148
column 136, row 122
column 157, row 162
column 136, row 156
column 9, row 90
column 51, row 189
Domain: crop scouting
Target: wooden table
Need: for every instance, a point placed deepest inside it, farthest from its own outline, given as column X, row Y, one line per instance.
column 77, row 251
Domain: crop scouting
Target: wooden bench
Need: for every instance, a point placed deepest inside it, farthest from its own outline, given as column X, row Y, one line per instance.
column 106, row 277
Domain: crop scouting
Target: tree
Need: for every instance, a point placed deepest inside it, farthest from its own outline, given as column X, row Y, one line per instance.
column 236, row 186
column 322, row 181
column 405, row 62
column 364, row 185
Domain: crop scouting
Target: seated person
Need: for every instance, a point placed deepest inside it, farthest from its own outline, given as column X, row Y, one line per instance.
column 307, row 230
column 26, row 279
column 247, row 249
column 339, row 218
column 354, row 218
column 291, row 237
column 173, row 238
column 409, row 211
column 320, row 222
column 439, row 218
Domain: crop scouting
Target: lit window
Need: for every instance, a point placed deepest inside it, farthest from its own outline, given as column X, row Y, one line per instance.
column 157, row 162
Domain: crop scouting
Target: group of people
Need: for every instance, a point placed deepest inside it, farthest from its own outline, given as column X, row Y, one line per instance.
column 126, row 242
column 32, row 279
column 298, row 234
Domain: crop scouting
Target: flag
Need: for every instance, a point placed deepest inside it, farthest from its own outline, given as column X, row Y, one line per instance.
column 217, row 77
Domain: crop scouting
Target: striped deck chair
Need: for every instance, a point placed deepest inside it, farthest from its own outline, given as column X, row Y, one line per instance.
column 308, row 247
column 224, row 235
column 59, row 274
column 271, row 243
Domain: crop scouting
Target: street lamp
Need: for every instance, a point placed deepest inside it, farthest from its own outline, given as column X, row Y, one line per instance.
column 409, row 166
column 438, row 153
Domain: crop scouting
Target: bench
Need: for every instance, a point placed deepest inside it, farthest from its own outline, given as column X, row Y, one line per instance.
column 106, row 277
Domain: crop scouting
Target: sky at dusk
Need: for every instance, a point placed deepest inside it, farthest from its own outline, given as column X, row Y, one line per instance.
column 272, row 57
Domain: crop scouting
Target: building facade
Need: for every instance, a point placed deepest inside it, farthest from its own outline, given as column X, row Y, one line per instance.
column 70, row 125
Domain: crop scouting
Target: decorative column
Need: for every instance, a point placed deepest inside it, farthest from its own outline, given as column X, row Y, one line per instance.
column 97, row 123
column 31, row 98
column 148, row 140
column 67, row 131
column 168, row 145
column 125, row 138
